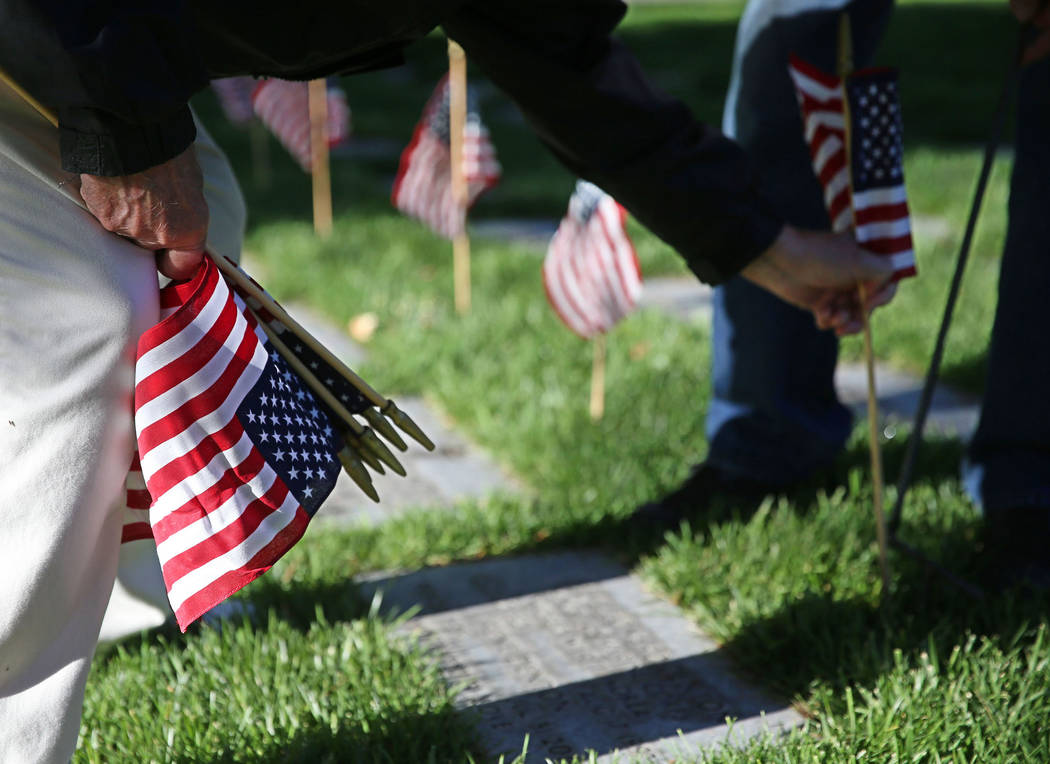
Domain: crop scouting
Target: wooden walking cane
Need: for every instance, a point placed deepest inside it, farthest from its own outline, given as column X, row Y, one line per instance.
column 320, row 174
column 845, row 68
column 457, row 106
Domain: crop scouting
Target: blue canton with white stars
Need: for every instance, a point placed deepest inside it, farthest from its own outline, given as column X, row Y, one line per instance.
column 439, row 121
column 293, row 433
column 875, row 116
column 333, row 381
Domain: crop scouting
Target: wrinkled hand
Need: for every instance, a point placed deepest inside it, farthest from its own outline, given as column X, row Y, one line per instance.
column 819, row 272
column 1036, row 13
column 162, row 209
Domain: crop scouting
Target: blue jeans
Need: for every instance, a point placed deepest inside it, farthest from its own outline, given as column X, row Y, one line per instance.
column 1008, row 465
column 774, row 415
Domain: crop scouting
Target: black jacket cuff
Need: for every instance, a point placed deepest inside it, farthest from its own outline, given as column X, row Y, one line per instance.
column 92, row 143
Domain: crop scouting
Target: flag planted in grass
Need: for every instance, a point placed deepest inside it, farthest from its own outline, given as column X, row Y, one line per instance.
column 423, row 187
column 878, row 205
column 284, row 107
column 235, row 98
column 236, row 452
column 591, row 272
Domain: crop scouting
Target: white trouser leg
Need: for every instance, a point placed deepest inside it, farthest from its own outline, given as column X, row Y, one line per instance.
column 73, row 301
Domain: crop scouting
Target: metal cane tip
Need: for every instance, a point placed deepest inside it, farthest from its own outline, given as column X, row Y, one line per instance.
column 381, row 452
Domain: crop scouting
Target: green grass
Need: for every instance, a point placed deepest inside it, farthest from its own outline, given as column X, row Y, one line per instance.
column 789, row 588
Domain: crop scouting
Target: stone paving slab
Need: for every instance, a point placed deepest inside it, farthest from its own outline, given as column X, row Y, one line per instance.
column 453, row 471
column 572, row 650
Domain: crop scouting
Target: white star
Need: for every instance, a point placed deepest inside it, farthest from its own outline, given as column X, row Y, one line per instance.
column 295, row 455
column 313, row 364
column 314, row 413
column 328, row 432
column 264, row 436
column 300, row 394
column 287, row 419
column 313, row 437
column 299, row 421
column 293, row 473
column 309, row 473
column 317, row 456
column 251, row 417
column 308, row 492
column 279, row 455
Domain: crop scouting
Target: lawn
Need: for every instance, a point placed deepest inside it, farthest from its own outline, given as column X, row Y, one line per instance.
column 790, row 587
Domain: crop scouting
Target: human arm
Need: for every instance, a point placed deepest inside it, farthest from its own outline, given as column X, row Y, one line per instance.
column 117, row 75
column 586, row 97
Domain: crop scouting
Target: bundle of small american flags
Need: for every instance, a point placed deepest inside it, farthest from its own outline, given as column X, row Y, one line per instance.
column 284, row 107
column 877, row 205
column 591, row 272
column 236, row 449
column 423, row 187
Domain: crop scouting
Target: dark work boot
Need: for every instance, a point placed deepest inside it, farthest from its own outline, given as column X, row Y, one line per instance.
column 708, row 490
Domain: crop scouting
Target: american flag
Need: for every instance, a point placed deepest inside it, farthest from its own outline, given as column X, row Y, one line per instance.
column 878, row 206
column 284, row 107
column 236, row 453
column 235, row 98
column 136, row 505
column 880, row 203
column 591, row 272
column 423, row 187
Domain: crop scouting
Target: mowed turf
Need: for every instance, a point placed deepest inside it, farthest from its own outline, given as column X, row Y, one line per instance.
column 790, row 587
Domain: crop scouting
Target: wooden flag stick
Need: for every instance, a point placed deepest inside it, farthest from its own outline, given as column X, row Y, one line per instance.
column 598, row 378
column 42, row 110
column 874, row 447
column 319, row 169
column 457, row 105
column 236, row 275
column 364, row 436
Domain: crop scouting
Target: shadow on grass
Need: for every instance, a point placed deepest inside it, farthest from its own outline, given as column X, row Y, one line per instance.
column 398, row 738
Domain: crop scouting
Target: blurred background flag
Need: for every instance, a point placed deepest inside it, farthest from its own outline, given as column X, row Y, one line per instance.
column 235, row 451
column 591, row 271
column 423, row 187
column 878, row 205
column 235, row 98
column 284, row 107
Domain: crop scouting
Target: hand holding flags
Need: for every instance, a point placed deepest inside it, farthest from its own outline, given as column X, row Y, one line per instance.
column 854, row 131
column 863, row 181
column 591, row 274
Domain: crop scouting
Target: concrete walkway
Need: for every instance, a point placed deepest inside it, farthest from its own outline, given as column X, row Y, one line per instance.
column 573, row 651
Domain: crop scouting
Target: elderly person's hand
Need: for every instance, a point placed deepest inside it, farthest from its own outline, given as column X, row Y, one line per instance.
column 820, row 272
column 162, row 209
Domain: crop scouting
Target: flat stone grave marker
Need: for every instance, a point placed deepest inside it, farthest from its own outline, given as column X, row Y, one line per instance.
column 570, row 649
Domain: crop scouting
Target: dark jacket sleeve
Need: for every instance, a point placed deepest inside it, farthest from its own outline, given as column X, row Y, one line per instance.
column 117, row 73
column 588, row 100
